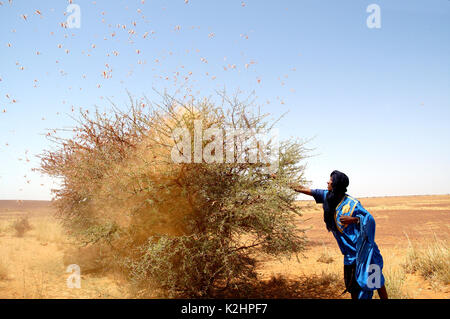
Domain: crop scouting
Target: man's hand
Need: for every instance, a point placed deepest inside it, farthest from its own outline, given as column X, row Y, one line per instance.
column 295, row 187
column 347, row 220
column 300, row 189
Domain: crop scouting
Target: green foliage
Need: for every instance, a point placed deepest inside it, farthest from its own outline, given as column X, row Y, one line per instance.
column 186, row 228
column 190, row 265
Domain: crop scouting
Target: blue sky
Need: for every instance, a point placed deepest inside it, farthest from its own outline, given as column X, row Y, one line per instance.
column 375, row 101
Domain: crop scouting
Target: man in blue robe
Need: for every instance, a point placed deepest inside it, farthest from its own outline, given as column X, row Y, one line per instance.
column 353, row 227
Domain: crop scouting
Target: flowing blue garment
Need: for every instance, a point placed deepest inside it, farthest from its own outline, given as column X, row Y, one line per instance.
column 357, row 242
column 369, row 262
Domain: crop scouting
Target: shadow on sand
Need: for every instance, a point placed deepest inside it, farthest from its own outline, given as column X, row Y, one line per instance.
column 324, row 286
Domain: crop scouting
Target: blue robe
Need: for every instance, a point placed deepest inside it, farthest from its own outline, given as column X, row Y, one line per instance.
column 357, row 242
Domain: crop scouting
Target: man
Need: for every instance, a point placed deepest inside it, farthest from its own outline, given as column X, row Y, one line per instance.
column 354, row 230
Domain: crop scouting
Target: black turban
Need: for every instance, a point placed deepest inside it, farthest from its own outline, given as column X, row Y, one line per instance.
column 339, row 184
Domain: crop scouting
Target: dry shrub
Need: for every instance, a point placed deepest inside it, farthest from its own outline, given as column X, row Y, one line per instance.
column 175, row 226
column 394, row 282
column 432, row 261
column 21, row 226
column 48, row 230
column 325, row 257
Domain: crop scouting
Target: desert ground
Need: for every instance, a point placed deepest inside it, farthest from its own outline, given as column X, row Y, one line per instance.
column 34, row 265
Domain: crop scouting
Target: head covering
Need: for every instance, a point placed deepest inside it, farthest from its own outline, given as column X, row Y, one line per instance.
column 339, row 184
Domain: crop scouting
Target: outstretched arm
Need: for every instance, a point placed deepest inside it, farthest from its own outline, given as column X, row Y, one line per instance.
column 300, row 189
column 296, row 187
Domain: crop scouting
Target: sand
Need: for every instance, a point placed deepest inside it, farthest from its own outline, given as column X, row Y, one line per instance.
column 33, row 266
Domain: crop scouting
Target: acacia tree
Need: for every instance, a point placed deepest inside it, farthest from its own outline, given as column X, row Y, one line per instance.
column 186, row 228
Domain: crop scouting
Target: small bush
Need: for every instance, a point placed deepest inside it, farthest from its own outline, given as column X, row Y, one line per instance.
column 325, row 257
column 432, row 261
column 22, row 226
column 47, row 229
column 394, row 282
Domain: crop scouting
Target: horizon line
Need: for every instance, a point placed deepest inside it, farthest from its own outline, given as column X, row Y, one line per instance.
column 377, row 196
